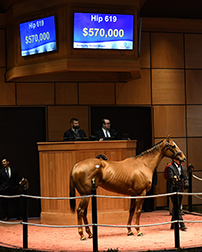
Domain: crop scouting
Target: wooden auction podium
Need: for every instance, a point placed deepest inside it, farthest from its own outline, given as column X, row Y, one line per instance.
column 56, row 160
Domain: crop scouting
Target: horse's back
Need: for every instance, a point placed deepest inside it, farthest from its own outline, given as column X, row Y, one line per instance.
column 129, row 176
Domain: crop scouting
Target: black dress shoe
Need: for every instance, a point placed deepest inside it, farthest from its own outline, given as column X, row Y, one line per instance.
column 183, row 228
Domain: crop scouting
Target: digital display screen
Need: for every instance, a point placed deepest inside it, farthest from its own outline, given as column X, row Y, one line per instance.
column 103, row 31
column 38, row 36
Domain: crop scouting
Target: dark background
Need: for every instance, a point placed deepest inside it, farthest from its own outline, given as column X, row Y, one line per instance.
column 133, row 120
column 21, row 129
column 153, row 8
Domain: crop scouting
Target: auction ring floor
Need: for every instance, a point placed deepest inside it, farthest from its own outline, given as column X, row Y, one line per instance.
column 67, row 239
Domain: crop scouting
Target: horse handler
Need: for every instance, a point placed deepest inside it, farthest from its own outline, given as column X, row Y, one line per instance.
column 176, row 176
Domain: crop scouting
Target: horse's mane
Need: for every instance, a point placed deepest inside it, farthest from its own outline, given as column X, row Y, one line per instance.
column 151, row 150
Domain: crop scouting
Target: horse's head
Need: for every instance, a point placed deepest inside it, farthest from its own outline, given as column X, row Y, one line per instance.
column 171, row 150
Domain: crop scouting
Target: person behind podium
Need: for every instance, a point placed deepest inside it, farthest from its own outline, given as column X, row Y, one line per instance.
column 75, row 133
column 106, row 132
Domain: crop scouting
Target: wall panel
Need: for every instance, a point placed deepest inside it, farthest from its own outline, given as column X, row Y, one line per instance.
column 167, row 50
column 194, row 121
column 66, row 93
column 169, row 120
column 35, row 93
column 96, row 93
column 135, row 92
column 193, row 86
column 2, row 49
column 193, row 51
column 7, row 90
column 194, row 157
column 59, row 117
column 168, row 86
column 145, row 51
column 194, row 152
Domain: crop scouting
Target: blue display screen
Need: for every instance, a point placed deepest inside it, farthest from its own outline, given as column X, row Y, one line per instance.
column 103, row 31
column 38, row 36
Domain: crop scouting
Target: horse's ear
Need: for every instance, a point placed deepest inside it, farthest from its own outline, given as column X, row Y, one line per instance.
column 168, row 138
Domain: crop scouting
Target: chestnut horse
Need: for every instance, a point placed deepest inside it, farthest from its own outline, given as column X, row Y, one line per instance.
column 131, row 176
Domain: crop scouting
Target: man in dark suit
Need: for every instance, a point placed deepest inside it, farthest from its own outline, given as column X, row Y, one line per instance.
column 9, row 182
column 106, row 131
column 75, row 132
column 176, row 175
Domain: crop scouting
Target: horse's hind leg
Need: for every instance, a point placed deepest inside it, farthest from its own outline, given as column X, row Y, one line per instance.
column 80, row 214
column 90, row 235
column 131, row 213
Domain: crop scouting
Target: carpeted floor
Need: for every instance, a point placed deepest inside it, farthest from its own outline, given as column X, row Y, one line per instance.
column 67, row 239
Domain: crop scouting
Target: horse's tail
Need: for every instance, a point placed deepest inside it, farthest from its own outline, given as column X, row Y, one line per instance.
column 72, row 194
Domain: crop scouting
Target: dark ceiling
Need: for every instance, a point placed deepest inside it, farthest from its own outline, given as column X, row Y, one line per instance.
column 155, row 8
column 191, row 9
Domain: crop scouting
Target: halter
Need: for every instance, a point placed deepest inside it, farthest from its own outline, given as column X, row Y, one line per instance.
column 175, row 154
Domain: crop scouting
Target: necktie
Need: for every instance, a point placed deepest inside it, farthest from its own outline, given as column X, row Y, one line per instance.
column 107, row 134
column 7, row 172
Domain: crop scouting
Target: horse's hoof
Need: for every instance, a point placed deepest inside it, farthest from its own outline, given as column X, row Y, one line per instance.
column 83, row 238
column 130, row 233
column 90, row 236
column 140, row 234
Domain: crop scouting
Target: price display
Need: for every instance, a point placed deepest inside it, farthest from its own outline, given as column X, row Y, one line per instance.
column 103, row 31
column 38, row 36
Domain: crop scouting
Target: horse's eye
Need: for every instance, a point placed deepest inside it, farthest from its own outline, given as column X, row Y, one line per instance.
column 174, row 146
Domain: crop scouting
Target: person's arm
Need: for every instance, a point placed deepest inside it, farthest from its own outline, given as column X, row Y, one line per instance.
column 97, row 135
column 170, row 173
column 84, row 133
column 186, row 181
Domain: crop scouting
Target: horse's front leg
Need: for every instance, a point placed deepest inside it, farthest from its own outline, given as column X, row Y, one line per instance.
column 138, row 210
column 131, row 213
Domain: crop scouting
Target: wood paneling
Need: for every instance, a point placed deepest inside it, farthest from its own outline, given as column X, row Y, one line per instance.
column 2, row 49
column 7, row 90
column 193, row 50
column 193, row 86
column 59, row 117
column 194, row 121
column 35, row 93
column 194, row 152
column 2, row 20
column 194, row 157
column 96, row 93
column 167, row 50
column 168, row 86
column 169, row 120
column 196, row 187
column 66, row 93
column 145, row 51
column 56, row 162
column 136, row 91
column 161, row 188
column 172, row 25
